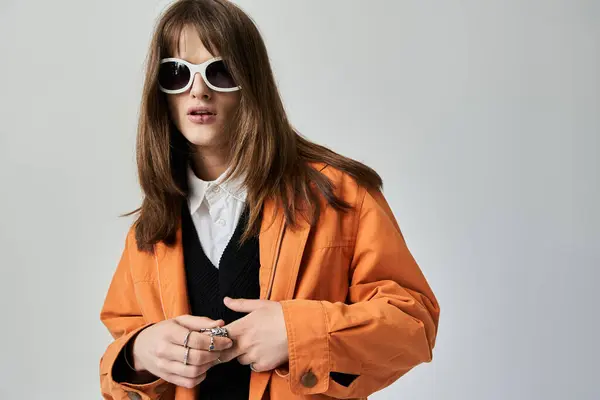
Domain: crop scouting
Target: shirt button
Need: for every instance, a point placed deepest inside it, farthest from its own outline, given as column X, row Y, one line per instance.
column 221, row 222
column 216, row 189
column 309, row 379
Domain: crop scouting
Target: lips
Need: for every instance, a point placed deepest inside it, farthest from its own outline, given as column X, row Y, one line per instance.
column 201, row 110
column 202, row 118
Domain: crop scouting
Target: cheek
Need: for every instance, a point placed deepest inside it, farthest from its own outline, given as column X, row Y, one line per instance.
column 175, row 104
column 229, row 102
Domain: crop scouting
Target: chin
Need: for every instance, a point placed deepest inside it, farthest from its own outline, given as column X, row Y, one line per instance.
column 201, row 136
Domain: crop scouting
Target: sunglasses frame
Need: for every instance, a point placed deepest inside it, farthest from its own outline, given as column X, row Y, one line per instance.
column 194, row 68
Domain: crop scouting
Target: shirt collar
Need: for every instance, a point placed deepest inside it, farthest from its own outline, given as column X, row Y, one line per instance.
column 199, row 187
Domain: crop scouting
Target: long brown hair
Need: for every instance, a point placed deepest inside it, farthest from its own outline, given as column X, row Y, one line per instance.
column 266, row 150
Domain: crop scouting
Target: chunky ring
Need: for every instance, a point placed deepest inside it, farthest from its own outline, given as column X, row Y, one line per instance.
column 187, row 338
column 212, row 344
column 186, row 355
column 216, row 331
column 252, row 367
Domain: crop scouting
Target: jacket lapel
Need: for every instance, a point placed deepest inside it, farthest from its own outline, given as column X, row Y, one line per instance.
column 281, row 249
column 269, row 239
column 288, row 260
column 287, row 263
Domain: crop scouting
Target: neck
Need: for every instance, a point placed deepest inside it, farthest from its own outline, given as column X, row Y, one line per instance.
column 209, row 165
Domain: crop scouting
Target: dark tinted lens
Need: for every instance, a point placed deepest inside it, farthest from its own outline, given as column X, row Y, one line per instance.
column 218, row 75
column 173, row 75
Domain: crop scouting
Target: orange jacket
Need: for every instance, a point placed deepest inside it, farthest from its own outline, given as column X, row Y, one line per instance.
column 354, row 302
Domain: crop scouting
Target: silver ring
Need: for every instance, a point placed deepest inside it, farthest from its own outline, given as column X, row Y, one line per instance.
column 216, row 331
column 252, row 367
column 187, row 337
column 186, row 355
column 212, row 344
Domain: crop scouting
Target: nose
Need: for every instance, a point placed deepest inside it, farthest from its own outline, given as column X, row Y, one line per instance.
column 199, row 88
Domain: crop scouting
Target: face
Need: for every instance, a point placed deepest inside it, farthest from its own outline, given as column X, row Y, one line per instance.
column 204, row 132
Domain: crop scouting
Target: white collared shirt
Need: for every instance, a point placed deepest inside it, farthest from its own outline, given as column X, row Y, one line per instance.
column 215, row 207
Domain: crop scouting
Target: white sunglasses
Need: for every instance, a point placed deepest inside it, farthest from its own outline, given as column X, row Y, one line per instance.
column 176, row 75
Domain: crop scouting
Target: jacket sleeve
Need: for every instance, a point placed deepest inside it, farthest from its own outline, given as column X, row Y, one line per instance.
column 122, row 316
column 387, row 327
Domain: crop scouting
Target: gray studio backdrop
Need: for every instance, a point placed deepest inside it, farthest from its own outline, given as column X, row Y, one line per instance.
column 483, row 118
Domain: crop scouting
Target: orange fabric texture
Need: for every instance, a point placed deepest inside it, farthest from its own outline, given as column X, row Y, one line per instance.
column 354, row 302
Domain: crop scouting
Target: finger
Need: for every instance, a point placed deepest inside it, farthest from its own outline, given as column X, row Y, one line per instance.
column 245, row 359
column 188, row 371
column 231, row 354
column 195, row 357
column 184, row 382
column 201, row 341
column 241, row 345
column 179, row 331
column 194, row 323
column 248, row 360
column 244, row 305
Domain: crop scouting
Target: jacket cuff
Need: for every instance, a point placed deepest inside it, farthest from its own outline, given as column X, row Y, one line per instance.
column 308, row 346
column 112, row 362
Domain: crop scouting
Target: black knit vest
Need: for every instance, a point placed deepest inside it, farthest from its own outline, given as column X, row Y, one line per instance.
column 236, row 277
